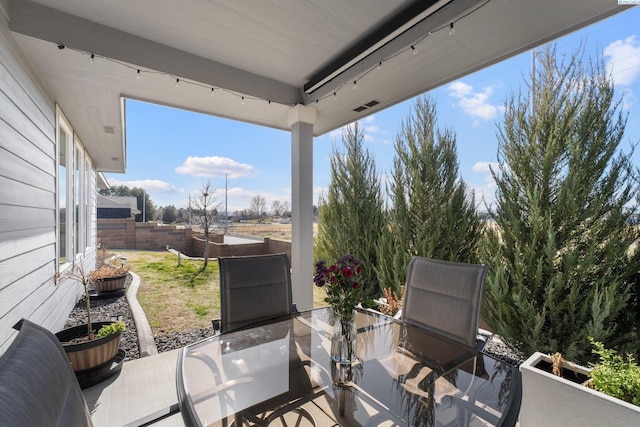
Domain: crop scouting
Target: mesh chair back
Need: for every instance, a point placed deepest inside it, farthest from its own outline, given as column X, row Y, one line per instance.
column 444, row 297
column 37, row 384
column 254, row 289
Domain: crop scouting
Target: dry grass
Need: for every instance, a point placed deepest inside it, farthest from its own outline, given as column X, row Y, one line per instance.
column 273, row 231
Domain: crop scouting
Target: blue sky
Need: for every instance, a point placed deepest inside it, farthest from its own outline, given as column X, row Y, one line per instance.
column 170, row 152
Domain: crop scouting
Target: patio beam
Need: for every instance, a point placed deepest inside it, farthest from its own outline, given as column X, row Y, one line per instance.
column 49, row 24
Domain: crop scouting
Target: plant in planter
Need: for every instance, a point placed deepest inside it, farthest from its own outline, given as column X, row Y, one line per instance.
column 616, row 376
column 571, row 400
column 391, row 303
column 91, row 348
column 108, row 278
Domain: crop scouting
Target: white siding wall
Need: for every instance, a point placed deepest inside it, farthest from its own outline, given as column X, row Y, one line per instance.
column 28, row 200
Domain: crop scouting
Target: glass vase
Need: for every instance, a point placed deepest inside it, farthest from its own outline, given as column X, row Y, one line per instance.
column 343, row 338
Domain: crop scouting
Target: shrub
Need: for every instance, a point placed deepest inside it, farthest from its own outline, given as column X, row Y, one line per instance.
column 111, row 329
column 433, row 211
column 351, row 220
column 615, row 376
column 560, row 265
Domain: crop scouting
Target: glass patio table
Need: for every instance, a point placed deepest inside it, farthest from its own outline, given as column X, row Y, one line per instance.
column 403, row 376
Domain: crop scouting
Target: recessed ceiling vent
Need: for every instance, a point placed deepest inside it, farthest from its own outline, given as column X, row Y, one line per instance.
column 366, row 106
column 109, row 129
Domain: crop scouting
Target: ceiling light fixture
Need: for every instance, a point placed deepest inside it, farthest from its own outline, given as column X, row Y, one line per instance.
column 138, row 74
column 177, row 82
column 452, row 31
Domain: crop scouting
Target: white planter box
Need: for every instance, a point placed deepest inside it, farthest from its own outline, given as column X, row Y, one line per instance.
column 548, row 400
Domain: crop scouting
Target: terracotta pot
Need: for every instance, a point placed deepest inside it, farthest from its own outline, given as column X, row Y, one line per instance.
column 89, row 355
column 110, row 284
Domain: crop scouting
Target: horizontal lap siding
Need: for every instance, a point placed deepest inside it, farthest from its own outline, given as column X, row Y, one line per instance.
column 27, row 199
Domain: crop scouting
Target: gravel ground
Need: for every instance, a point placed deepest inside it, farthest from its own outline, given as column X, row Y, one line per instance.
column 499, row 350
column 105, row 309
column 108, row 308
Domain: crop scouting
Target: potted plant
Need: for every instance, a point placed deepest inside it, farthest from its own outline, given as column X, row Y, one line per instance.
column 108, row 278
column 391, row 304
column 91, row 348
column 567, row 398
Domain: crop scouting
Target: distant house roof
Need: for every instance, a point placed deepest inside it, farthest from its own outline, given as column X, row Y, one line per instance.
column 118, row 202
column 117, row 206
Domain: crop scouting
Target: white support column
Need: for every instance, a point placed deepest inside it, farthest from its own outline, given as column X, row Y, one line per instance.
column 301, row 120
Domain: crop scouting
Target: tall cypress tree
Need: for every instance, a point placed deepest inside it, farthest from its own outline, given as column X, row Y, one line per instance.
column 351, row 220
column 561, row 269
column 432, row 214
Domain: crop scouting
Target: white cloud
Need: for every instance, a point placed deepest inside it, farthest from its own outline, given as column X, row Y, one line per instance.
column 485, row 193
column 369, row 124
column 215, row 166
column 628, row 98
column 460, row 89
column 484, row 167
column 473, row 102
column 150, row 185
column 623, row 60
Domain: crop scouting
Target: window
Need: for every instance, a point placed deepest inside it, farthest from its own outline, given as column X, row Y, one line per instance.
column 78, row 208
column 65, row 137
column 74, row 194
column 88, row 200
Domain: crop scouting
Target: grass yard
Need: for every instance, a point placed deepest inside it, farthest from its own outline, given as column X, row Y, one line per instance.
column 178, row 298
column 175, row 298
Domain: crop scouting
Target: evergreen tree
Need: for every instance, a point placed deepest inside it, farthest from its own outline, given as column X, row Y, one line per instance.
column 432, row 214
column 351, row 219
column 169, row 214
column 561, row 269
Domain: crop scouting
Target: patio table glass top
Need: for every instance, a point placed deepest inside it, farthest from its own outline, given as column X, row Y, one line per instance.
column 403, row 375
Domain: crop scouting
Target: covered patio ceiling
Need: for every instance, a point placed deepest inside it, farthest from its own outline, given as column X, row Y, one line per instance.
column 261, row 57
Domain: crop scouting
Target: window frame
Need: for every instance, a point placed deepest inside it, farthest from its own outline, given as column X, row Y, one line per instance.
column 77, row 201
column 62, row 125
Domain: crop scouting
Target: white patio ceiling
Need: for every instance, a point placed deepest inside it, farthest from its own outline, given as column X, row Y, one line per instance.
column 281, row 51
